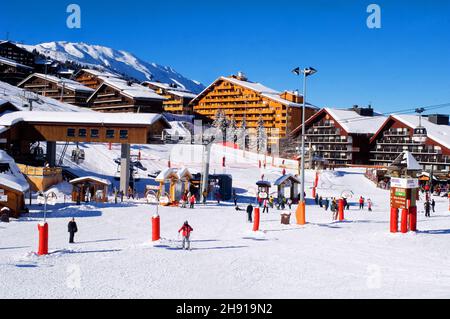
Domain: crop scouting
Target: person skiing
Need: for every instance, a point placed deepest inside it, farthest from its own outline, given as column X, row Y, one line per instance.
column 72, row 229
column 250, row 212
column 184, row 200
column 266, row 206
column 205, row 196
column 316, row 199
column 369, row 204
column 235, row 199
column 320, row 201
column 283, row 202
column 433, row 205
column 334, row 209
column 185, row 231
column 130, row 193
column 361, row 203
column 427, row 209
column 192, row 201
column 271, row 201
column 327, row 204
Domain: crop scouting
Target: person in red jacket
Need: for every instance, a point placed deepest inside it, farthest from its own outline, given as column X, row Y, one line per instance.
column 185, row 231
column 192, row 200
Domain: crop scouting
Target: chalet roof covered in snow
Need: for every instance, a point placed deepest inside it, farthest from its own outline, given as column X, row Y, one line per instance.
column 12, row 178
column 183, row 94
column 99, row 73
column 13, row 63
column 256, row 87
column 90, row 178
column 282, row 179
column 20, row 99
column 82, row 118
column 166, row 86
column 131, row 90
column 69, row 84
column 438, row 133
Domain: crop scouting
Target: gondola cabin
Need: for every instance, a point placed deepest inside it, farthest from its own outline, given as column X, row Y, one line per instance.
column 90, row 189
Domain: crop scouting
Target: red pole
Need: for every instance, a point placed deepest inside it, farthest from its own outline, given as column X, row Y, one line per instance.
column 110, row 146
column 341, row 209
column 139, row 155
column 43, row 239
column 256, row 220
column 259, row 164
column 404, row 226
column 413, row 218
column 314, row 192
column 169, row 164
column 394, row 220
column 156, row 228
column 316, row 182
column 223, row 161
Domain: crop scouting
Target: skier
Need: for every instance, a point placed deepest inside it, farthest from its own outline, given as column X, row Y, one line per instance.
column 289, row 202
column 316, row 199
column 192, row 201
column 361, row 203
column 72, row 229
column 369, row 204
column 184, row 200
column 130, row 193
column 185, row 231
column 250, row 212
column 283, row 202
column 205, row 196
column 218, row 197
column 427, row 209
column 433, row 205
column 320, row 201
column 235, row 197
column 266, row 206
column 327, row 204
column 271, row 201
column 346, row 204
column 334, row 209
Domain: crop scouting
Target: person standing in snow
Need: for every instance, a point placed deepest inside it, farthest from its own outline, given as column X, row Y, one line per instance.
column 185, row 231
column 235, row 199
column 218, row 197
column 250, row 213
column 130, row 193
column 334, row 209
column 192, row 201
column 205, row 196
column 433, row 205
column 316, row 199
column 361, row 203
column 266, row 206
column 184, row 200
column 369, row 204
column 271, row 201
column 289, row 202
column 320, row 201
column 427, row 209
column 72, row 229
column 327, row 204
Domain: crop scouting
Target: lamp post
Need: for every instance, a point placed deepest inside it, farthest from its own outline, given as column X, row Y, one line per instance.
column 301, row 207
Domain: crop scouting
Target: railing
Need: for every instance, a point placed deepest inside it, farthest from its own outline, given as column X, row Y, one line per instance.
column 39, row 171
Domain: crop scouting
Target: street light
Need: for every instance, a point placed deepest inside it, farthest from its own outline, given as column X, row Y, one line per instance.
column 302, row 205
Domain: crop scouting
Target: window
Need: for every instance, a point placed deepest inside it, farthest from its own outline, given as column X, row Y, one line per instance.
column 95, row 133
column 123, row 134
column 70, row 132
column 82, row 132
column 110, row 133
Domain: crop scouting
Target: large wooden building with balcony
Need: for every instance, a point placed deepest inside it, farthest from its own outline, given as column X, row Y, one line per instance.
column 396, row 135
column 117, row 95
column 61, row 89
column 92, row 78
column 15, row 53
column 237, row 96
column 13, row 72
column 338, row 137
column 178, row 99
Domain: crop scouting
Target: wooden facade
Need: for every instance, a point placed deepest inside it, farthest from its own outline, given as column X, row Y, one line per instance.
column 178, row 100
column 15, row 200
column 236, row 96
column 396, row 136
column 116, row 95
column 12, row 72
column 92, row 78
column 90, row 189
column 64, row 90
column 13, row 52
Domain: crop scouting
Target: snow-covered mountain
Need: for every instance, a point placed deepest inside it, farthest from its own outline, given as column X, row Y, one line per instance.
column 114, row 60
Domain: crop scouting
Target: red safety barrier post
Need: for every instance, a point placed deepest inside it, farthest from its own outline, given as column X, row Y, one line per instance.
column 413, row 218
column 156, row 228
column 341, row 209
column 43, row 239
column 223, row 161
column 404, row 226
column 256, row 220
column 394, row 220
column 314, row 192
column 110, row 146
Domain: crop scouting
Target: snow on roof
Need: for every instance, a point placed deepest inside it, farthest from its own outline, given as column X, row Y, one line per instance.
column 69, row 84
column 132, row 90
column 14, row 63
column 12, row 178
column 165, row 174
column 284, row 178
column 438, row 133
column 99, row 73
column 177, row 128
column 183, row 94
column 184, row 172
column 20, row 99
column 166, row 86
column 352, row 122
column 407, row 160
column 82, row 118
column 93, row 178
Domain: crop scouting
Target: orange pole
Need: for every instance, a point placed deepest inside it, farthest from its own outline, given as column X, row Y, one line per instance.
column 413, row 218
column 43, row 239
column 256, row 219
column 300, row 213
column 341, row 209
column 404, row 225
column 314, row 192
column 394, row 220
column 156, row 228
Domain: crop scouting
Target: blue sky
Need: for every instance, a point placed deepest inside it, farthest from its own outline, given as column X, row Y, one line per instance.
column 404, row 64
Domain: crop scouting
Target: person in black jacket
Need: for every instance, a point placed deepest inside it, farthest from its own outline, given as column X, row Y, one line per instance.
column 72, row 229
column 250, row 212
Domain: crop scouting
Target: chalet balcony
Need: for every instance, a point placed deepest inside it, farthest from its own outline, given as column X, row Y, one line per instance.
column 391, row 133
column 413, row 150
column 323, row 132
column 327, row 140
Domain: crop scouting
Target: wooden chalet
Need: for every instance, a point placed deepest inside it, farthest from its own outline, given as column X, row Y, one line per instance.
column 90, row 189
column 396, row 135
column 92, row 78
column 178, row 98
column 61, row 89
column 339, row 137
column 15, row 53
column 237, row 96
column 117, row 95
column 13, row 72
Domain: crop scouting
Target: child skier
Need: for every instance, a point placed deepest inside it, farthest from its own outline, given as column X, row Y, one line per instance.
column 369, row 204
column 185, row 231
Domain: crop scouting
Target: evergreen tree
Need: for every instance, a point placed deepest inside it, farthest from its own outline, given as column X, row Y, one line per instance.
column 261, row 136
column 232, row 131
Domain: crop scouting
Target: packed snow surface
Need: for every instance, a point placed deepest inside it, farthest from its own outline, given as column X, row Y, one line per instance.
column 114, row 257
